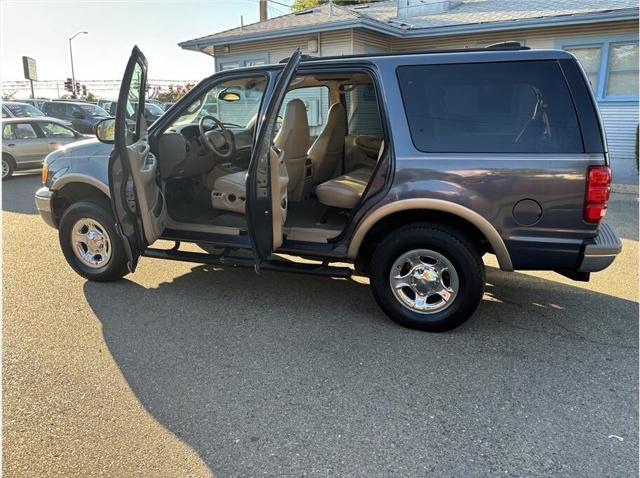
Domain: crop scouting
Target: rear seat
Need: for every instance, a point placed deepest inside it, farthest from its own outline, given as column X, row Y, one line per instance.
column 344, row 191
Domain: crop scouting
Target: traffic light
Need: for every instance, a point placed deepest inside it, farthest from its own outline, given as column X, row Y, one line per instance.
column 84, row 90
column 77, row 92
column 67, row 85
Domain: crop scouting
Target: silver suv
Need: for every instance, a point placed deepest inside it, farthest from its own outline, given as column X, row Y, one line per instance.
column 409, row 166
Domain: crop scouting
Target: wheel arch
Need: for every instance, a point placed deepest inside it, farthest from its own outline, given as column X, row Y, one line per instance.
column 390, row 216
column 9, row 157
column 74, row 191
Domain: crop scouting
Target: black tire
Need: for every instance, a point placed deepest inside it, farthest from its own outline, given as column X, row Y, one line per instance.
column 116, row 267
column 453, row 246
column 10, row 164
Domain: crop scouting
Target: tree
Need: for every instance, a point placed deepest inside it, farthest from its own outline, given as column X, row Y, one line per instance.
column 304, row 4
column 173, row 94
column 90, row 97
column 8, row 95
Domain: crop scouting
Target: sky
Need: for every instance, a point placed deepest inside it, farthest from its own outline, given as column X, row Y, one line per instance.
column 40, row 29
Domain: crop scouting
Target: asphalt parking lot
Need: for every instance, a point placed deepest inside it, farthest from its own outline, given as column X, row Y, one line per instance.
column 187, row 370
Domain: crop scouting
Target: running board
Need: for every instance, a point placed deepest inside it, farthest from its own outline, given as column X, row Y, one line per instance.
column 231, row 261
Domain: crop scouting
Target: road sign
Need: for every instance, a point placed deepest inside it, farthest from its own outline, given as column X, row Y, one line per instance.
column 29, row 66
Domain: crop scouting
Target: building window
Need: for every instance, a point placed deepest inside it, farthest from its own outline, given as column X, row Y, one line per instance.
column 610, row 64
column 622, row 77
column 589, row 57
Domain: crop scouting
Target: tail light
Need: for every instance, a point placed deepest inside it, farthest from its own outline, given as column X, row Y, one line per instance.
column 598, row 189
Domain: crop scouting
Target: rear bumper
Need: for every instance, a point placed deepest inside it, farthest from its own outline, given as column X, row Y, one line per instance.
column 602, row 251
column 44, row 197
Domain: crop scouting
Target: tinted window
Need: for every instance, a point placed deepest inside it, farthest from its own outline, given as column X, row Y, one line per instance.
column 362, row 110
column 510, row 107
column 23, row 110
column 54, row 109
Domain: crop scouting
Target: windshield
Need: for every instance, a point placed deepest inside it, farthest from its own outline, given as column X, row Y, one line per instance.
column 23, row 110
column 93, row 110
column 234, row 102
column 153, row 109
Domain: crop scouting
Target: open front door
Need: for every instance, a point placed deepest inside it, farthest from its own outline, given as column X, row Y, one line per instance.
column 266, row 200
column 136, row 195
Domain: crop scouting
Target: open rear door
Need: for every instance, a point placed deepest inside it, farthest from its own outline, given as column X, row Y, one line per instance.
column 266, row 201
column 136, row 195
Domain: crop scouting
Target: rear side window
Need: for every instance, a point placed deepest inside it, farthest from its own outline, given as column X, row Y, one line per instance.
column 507, row 107
column 362, row 110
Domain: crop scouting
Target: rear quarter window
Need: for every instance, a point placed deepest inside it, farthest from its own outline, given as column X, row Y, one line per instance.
column 505, row 107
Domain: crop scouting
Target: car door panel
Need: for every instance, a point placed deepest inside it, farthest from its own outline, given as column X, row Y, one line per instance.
column 137, row 198
column 260, row 181
column 362, row 151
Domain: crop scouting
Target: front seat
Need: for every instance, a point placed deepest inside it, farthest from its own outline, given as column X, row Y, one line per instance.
column 327, row 151
column 293, row 140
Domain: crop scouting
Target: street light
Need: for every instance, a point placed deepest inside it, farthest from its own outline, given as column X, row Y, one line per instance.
column 73, row 75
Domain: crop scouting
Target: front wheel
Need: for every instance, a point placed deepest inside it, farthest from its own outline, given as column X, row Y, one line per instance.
column 427, row 277
column 90, row 243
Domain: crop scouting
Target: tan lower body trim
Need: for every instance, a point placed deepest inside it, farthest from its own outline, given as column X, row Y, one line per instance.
column 497, row 244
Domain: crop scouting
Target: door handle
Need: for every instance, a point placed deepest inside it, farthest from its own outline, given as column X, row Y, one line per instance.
column 53, row 142
column 11, row 144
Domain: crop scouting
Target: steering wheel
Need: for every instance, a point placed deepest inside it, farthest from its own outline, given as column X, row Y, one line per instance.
column 216, row 140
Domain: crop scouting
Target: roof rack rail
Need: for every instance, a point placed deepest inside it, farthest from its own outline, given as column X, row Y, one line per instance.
column 507, row 45
column 504, row 46
column 302, row 58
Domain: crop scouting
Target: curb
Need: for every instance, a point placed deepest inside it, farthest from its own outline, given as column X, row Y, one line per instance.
column 625, row 188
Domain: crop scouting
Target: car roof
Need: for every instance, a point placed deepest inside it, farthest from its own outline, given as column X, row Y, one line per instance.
column 68, row 102
column 15, row 103
column 31, row 119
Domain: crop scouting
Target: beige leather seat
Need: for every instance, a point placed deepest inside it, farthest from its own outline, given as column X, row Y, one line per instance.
column 229, row 192
column 293, row 140
column 344, row 191
column 327, row 151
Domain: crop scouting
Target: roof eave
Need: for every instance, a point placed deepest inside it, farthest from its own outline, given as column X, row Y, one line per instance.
column 565, row 20
column 399, row 32
column 198, row 44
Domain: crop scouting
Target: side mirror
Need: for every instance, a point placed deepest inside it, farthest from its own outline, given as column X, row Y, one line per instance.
column 106, row 130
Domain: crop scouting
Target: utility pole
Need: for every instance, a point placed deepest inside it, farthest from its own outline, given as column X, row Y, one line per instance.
column 263, row 10
column 73, row 75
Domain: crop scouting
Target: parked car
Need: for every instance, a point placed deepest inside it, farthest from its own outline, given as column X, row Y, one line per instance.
column 447, row 156
column 166, row 106
column 83, row 116
column 17, row 109
column 151, row 111
column 26, row 141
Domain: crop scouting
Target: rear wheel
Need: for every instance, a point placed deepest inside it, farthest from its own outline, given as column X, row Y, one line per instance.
column 427, row 277
column 8, row 166
column 90, row 243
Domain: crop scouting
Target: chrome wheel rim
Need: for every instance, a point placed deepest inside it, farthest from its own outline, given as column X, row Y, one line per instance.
column 91, row 242
column 424, row 281
column 5, row 168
